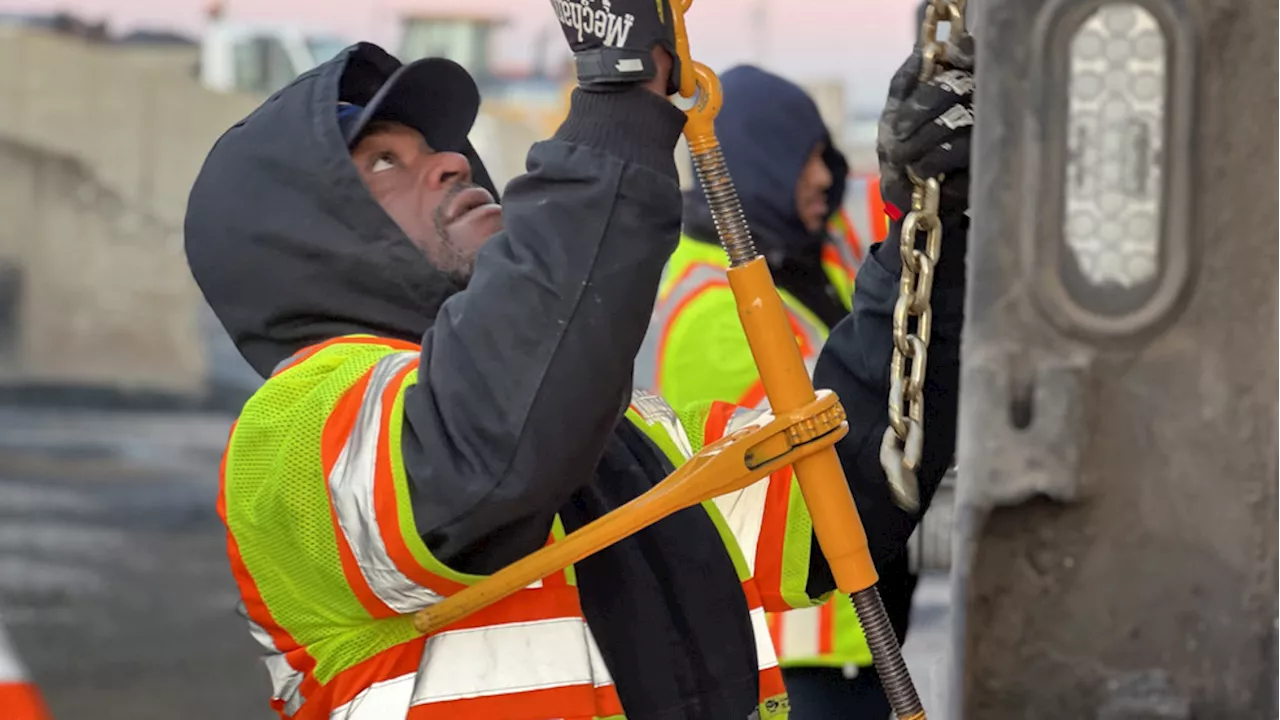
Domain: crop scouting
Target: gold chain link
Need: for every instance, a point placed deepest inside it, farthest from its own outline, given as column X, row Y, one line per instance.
column 903, row 442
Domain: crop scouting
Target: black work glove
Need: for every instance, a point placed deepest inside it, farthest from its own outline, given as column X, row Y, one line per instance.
column 613, row 40
column 927, row 128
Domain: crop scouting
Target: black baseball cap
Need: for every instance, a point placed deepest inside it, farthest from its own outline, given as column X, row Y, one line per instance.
column 435, row 96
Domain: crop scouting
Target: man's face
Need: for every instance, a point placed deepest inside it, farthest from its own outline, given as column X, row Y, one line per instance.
column 811, row 191
column 429, row 194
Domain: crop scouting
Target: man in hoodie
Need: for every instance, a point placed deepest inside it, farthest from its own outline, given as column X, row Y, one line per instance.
column 790, row 178
column 449, row 389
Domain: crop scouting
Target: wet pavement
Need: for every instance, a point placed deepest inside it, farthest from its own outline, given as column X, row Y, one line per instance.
column 114, row 584
column 927, row 649
column 113, row 581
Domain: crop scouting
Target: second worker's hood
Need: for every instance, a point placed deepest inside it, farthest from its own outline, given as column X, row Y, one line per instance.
column 767, row 128
column 283, row 238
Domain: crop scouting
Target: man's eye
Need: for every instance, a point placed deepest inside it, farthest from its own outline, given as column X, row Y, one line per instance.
column 383, row 162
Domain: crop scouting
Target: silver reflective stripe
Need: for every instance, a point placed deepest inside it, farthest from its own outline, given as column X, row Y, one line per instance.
column 351, row 487
column 654, row 410
column 813, row 333
column 285, row 680
column 648, row 363
column 504, row 659
column 800, row 633
column 386, row 700
column 491, row 661
column 743, row 510
column 858, row 209
column 743, row 417
column 839, row 241
column 765, row 655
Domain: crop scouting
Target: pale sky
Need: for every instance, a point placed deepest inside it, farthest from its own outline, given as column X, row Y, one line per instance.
column 858, row 41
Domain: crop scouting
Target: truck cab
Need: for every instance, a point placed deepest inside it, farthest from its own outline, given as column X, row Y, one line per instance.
column 260, row 59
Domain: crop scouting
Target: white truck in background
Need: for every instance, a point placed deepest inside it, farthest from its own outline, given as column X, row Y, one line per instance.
column 260, row 59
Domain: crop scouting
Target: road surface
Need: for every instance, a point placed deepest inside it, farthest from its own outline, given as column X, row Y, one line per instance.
column 928, row 645
column 114, row 585
column 113, row 582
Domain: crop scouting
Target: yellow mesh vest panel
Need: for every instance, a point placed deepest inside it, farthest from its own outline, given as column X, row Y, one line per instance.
column 706, row 356
column 278, row 511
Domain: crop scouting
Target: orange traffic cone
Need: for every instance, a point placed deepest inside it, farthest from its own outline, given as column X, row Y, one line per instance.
column 19, row 697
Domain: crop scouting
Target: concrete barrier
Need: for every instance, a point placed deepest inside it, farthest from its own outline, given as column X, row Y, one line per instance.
column 97, row 292
column 98, row 149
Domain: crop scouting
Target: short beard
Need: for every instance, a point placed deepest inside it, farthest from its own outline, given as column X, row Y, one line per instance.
column 453, row 263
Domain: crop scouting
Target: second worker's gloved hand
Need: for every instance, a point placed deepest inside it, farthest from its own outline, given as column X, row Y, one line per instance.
column 613, row 41
column 927, row 127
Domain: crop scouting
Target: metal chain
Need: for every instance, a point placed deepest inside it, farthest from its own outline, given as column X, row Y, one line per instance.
column 903, row 442
column 932, row 52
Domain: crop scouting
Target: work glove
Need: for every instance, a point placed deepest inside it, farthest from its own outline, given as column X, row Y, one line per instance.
column 926, row 127
column 613, row 40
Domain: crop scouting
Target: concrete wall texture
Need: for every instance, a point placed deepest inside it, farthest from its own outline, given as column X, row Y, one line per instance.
column 99, row 146
column 96, row 279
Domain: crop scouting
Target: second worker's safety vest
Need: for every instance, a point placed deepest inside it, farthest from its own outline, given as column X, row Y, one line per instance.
column 696, row 351
column 330, row 566
column 852, row 231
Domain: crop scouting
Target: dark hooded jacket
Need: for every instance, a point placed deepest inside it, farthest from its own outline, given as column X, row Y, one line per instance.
column 525, row 373
column 768, row 127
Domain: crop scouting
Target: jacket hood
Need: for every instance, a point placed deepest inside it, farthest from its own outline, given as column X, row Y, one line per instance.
column 767, row 127
column 283, row 238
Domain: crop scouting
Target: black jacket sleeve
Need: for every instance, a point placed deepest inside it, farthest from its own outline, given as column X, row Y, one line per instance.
column 855, row 364
column 527, row 372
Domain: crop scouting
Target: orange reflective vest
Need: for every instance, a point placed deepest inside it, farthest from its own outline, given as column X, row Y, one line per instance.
column 696, row 351
column 695, row 316
column 690, row 354
column 330, row 567
column 862, row 222
column 853, row 229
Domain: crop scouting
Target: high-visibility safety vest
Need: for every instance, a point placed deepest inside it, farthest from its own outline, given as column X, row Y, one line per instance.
column 20, row 699
column 329, row 564
column 695, row 318
column 694, row 300
column 853, row 229
column 862, row 221
column 696, row 351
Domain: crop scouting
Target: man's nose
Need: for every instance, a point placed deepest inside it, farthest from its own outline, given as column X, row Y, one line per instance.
column 446, row 168
column 822, row 175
